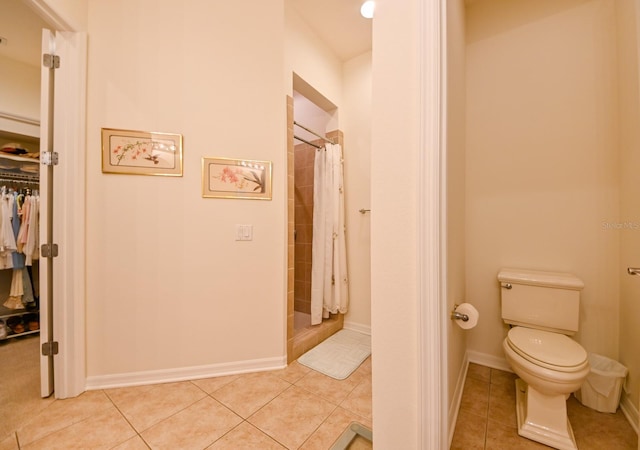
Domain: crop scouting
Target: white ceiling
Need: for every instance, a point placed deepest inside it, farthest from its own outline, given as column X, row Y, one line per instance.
column 337, row 22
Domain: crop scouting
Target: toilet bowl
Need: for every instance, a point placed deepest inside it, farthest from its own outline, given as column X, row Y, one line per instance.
column 543, row 310
column 550, row 366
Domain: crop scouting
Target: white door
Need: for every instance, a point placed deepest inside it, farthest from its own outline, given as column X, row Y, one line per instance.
column 62, row 130
column 47, row 346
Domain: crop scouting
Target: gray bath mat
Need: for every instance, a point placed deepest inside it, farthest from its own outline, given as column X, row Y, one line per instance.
column 339, row 355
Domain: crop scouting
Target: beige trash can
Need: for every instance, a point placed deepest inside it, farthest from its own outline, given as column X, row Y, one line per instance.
column 603, row 386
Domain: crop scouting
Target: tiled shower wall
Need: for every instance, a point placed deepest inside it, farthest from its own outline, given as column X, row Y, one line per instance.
column 304, row 157
column 290, row 227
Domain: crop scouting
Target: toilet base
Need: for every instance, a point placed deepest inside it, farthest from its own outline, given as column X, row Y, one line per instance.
column 543, row 418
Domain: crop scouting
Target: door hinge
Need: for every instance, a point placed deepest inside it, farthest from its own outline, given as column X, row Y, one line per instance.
column 50, row 348
column 49, row 250
column 51, row 61
column 49, row 158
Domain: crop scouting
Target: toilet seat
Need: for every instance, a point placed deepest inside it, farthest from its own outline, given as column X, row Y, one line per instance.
column 546, row 349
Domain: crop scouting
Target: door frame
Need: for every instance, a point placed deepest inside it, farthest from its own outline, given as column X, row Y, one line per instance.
column 69, row 283
column 432, row 257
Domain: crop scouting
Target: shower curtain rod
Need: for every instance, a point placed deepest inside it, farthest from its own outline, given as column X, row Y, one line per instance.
column 313, row 132
column 307, row 142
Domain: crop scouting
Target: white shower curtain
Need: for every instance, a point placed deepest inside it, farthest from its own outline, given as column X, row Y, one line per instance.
column 329, row 281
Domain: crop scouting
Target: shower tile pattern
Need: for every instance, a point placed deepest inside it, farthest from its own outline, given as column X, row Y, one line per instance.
column 304, row 157
column 290, row 230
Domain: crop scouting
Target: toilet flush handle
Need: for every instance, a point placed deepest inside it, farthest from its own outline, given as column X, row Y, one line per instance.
column 633, row 270
column 507, row 285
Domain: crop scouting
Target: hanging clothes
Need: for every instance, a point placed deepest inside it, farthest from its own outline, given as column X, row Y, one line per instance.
column 17, row 290
column 7, row 239
column 16, row 216
column 19, row 227
column 329, row 280
column 32, row 239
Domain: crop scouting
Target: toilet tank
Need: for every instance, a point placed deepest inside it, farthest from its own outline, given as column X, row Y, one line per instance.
column 543, row 300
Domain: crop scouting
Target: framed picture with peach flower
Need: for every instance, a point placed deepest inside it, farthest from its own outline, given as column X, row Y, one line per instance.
column 236, row 178
column 141, row 153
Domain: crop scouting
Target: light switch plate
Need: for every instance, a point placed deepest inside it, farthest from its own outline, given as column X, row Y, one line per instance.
column 244, row 232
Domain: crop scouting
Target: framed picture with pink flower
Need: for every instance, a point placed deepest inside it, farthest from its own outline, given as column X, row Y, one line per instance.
column 141, row 153
column 236, row 178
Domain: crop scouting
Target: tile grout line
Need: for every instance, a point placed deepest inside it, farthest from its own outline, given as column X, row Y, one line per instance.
column 263, row 406
column 126, row 420
column 486, row 429
column 243, row 420
column 338, row 405
column 73, row 423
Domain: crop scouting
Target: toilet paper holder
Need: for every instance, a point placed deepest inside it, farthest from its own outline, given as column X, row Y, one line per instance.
column 455, row 315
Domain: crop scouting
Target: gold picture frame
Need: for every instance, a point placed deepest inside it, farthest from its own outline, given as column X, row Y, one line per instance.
column 236, row 178
column 132, row 152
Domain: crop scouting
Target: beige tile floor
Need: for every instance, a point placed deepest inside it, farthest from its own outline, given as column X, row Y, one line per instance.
column 284, row 409
column 487, row 418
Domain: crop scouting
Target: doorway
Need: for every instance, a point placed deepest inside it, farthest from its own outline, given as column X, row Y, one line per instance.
column 307, row 123
column 20, row 318
column 69, row 183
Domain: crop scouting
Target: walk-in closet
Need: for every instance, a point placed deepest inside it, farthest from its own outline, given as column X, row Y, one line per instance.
column 19, row 230
column 21, row 318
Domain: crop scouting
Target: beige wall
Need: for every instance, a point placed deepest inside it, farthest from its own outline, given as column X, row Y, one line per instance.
column 168, row 287
column 19, row 89
column 163, row 262
column 629, row 120
column 355, row 121
column 309, row 57
column 394, row 238
column 455, row 207
column 542, row 156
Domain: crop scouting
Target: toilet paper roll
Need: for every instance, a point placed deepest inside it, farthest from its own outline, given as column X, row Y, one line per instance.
column 469, row 310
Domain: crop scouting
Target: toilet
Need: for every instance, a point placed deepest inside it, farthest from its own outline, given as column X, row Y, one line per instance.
column 542, row 309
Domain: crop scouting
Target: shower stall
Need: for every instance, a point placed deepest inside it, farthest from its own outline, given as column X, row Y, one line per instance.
column 305, row 141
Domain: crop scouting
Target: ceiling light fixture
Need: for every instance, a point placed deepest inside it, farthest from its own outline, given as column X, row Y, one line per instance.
column 367, row 9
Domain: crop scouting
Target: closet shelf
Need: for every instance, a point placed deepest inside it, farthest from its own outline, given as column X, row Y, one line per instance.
column 24, row 314
column 18, row 158
column 14, row 335
column 19, row 168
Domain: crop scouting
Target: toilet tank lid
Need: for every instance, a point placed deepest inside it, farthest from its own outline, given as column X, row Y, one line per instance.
column 540, row 278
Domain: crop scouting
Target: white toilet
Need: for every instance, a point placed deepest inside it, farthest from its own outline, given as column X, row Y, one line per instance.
column 542, row 309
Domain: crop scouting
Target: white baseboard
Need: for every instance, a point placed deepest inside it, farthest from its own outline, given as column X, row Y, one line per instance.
column 454, row 407
column 365, row 329
column 484, row 359
column 630, row 411
column 184, row 373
